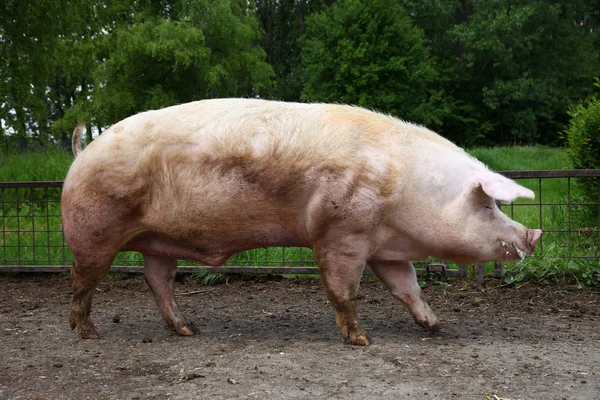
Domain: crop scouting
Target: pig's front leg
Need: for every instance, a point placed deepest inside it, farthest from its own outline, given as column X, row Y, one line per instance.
column 401, row 279
column 341, row 264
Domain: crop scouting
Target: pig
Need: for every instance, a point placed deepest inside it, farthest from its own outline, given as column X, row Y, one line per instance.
column 204, row 180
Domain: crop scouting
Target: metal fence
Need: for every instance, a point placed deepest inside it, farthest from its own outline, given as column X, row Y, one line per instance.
column 31, row 236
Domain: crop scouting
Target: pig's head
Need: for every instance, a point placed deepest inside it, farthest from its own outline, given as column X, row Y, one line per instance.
column 487, row 233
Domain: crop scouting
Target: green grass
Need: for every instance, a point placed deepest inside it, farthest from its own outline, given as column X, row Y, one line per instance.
column 522, row 158
column 25, row 217
column 47, row 165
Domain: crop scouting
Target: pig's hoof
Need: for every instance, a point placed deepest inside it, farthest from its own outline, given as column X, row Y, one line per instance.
column 180, row 325
column 360, row 340
column 357, row 339
column 434, row 326
column 87, row 332
column 89, row 335
column 184, row 331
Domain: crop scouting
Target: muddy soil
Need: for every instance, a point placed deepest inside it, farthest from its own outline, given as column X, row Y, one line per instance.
column 277, row 339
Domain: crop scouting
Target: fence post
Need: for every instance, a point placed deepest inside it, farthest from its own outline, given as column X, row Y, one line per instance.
column 497, row 270
column 498, row 265
column 480, row 271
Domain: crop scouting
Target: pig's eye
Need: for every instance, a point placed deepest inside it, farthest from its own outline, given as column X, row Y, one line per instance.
column 488, row 207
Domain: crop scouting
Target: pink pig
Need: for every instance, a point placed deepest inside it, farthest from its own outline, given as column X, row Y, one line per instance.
column 205, row 180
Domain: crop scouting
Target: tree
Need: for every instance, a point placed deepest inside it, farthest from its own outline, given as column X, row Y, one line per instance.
column 100, row 61
column 45, row 63
column 26, row 42
column 369, row 53
column 437, row 19
column 512, row 68
column 479, row 72
column 171, row 52
column 283, row 22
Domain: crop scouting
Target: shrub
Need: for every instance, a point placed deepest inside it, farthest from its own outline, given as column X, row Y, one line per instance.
column 583, row 140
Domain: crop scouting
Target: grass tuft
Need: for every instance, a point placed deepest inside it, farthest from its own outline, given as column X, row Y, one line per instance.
column 206, row 277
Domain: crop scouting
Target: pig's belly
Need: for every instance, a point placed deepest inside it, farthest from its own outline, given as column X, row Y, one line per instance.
column 213, row 251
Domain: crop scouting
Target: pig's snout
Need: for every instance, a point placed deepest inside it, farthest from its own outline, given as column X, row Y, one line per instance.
column 532, row 236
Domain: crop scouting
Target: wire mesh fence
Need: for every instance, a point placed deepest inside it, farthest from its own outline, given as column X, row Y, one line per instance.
column 569, row 221
column 31, row 235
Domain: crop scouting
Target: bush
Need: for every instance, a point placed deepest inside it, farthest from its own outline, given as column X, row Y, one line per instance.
column 369, row 53
column 583, row 140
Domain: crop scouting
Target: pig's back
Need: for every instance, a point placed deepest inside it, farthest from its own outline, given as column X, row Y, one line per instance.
column 228, row 132
column 249, row 128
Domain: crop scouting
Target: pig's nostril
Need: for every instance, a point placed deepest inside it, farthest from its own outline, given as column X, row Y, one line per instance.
column 533, row 235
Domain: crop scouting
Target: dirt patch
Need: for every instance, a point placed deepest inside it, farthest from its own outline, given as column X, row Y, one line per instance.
column 278, row 339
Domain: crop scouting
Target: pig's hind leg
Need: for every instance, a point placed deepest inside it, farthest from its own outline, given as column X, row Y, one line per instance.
column 86, row 274
column 400, row 278
column 159, row 273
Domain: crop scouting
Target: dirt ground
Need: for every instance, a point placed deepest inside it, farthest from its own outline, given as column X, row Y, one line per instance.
column 277, row 339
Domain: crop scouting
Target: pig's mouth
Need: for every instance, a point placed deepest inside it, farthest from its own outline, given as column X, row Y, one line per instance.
column 511, row 249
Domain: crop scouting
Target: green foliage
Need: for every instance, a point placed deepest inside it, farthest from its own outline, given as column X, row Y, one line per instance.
column 283, row 22
column 526, row 81
column 479, row 72
column 510, row 68
column 582, row 272
column 47, row 165
column 199, row 50
column 369, row 53
column 583, row 140
column 146, row 67
column 206, row 277
column 435, row 279
column 44, row 62
column 583, row 133
column 100, row 61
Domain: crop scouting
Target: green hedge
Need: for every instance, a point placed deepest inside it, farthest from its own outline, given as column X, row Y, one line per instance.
column 583, row 140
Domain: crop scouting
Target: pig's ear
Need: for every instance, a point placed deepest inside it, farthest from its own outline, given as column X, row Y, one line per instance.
column 501, row 188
